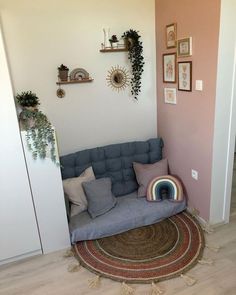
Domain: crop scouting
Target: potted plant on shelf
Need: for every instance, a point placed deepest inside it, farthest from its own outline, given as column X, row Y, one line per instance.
column 63, row 72
column 113, row 40
column 135, row 55
column 39, row 131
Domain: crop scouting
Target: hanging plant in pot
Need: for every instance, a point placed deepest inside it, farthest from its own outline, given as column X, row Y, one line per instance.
column 135, row 55
column 39, row 131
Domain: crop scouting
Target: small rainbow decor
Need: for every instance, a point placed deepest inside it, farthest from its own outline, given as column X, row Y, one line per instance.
column 165, row 187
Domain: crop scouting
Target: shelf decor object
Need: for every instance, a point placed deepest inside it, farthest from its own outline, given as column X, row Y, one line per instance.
column 169, row 68
column 135, row 55
column 61, row 92
column 112, row 44
column 117, row 49
column 134, row 46
column 78, row 75
column 106, row 32
column 63, row 72
column 118, row 78
column 171, row 35
column 74, row 81
column 114, row 41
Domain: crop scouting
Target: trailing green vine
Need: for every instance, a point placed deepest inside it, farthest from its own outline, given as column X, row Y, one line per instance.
column 135, row 55
column 40, row 135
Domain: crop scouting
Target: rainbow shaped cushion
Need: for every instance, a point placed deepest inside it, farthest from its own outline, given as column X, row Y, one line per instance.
column 165, row 187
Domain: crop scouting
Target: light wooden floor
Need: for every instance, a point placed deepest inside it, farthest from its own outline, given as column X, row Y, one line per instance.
column 47, row 274
column 233, row 194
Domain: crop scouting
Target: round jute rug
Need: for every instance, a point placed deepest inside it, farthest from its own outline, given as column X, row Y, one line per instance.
column 148, row 254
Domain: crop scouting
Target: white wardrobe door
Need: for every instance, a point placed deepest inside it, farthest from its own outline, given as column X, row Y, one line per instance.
column 18, row 227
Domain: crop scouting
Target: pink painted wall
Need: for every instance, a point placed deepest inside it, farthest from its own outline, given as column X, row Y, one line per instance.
column 187, row 128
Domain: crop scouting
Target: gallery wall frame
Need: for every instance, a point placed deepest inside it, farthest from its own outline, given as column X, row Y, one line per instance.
column 170, row 95
column 169, row 67
column 185, row 76
column 171, row 35
column 184, row 47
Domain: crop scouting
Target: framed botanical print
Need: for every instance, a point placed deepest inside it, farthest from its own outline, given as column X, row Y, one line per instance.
column 170, row 95
column 171, row 35
column 169, row 68
column 184, row 47
column 185, row 76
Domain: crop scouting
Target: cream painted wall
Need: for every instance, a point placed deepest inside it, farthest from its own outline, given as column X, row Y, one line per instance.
column 40, row 35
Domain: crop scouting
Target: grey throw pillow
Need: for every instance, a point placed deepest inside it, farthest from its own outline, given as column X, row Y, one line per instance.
column 146, row 172
column 99, row 196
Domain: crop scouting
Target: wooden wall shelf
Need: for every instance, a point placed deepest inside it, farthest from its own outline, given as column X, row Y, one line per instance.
column 113, row 50
column 74, row 81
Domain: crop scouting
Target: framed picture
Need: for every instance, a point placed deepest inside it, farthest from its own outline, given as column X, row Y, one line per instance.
column 185, row 76
column 169, row 68
column 171, row 35
column 170, row 95
column 184, row 47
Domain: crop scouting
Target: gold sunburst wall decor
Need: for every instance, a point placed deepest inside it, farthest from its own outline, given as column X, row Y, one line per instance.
column 118, row 78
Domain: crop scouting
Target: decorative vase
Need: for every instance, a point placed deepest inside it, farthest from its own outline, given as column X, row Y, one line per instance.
column 24, row 120
column 106, row 32
column 63, row 75
column 128, row 43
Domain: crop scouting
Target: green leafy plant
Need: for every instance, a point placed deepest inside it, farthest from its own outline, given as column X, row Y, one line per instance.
column 135, row 55
column 63, row 68
column 40, row 135
column 27, row 99
column 113, row 39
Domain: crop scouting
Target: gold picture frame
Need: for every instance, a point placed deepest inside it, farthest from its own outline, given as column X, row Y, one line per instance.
column 170, row 95
column 171, row 35
column 184, row 47
column 169, row 67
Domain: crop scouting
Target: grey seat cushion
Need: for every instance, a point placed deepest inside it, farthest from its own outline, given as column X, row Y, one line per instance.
column 114, row 161
column 130, row 212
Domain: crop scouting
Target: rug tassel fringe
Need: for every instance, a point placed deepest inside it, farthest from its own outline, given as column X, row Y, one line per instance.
column 189, row 280
column 74, row 267
column 69, row 253
column 206, row 261
column 95, row 283
column 156, row 290
column 208, row 229
column 213, row 248
column 126, row 290
column 195, row 212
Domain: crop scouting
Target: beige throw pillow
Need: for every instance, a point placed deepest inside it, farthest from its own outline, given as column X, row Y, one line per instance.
column 146, row 172
column 74, row 190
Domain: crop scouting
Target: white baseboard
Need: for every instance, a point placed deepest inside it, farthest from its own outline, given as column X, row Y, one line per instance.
column 20, row 257
column 203, row 222
column 193, row 212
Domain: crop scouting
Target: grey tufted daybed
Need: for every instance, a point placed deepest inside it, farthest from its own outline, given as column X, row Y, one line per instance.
column 116, row 161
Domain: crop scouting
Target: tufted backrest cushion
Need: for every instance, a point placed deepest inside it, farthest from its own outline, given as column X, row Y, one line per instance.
column 114, row 161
